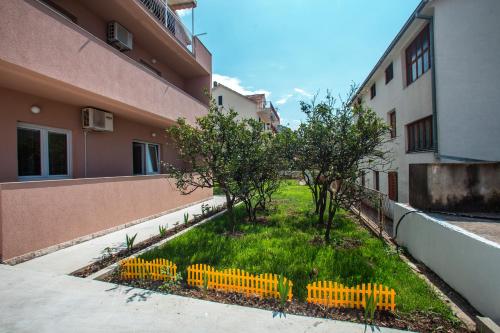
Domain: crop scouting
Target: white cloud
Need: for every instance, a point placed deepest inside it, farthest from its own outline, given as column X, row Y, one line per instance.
column 303, row 92
column 235, row 84
column 284, row 99
column 183, row 12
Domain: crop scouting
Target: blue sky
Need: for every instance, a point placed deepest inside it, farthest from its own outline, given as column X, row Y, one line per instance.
column 292, row 49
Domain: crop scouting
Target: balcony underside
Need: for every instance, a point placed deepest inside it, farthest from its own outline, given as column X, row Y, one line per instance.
column 50, row 57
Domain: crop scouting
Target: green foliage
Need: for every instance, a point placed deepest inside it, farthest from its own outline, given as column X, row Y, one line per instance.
column 186, row 218
column 371, row 306
column 285, row 244
column 210, row 150
column 163, row 230
column 283, row 290
column 332, row 147
column 237, row 158
column 129, row 241
column 168, row 285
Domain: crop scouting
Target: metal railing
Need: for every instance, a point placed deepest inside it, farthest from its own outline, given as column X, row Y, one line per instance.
column 379, row 201
column 171, row 21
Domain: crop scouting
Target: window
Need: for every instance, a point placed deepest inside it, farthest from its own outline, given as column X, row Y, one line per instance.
column 219, row 101
column 373, row 91
column 418, row 56
column 392, row 123
column 146, row 158
column 389, row 74
column 363, row 181
column 376, row 180
column 43, row 152
column 393, row 185
column 420, row 136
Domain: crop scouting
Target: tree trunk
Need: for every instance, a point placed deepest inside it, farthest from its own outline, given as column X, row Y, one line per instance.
column 230, row 211
column 323, row 194
column 332, row 210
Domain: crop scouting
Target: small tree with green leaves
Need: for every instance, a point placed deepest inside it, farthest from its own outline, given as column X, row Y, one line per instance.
column 333, row 147
column 210, row 151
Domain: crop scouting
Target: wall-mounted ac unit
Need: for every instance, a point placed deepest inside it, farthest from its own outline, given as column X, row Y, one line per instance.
column 119, row 37
column 97, row 120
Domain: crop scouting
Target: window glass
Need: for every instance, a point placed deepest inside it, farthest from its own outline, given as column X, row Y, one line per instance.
column 152, row 159
column 29, row 152
column 137, row 158
column 220, row 100
column 58, row 153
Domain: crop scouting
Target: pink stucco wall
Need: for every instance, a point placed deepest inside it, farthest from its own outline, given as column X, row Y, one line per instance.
column 108, row 154
column 67, row 61
column 36, row 215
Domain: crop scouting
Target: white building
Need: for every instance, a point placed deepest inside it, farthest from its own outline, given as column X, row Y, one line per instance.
column 247, row 107
column 437, row 84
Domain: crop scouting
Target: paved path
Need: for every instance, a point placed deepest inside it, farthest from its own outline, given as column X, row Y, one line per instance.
column 44, row 302
column 72, row 258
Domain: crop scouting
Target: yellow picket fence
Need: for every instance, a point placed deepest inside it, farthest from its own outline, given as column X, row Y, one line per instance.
column 236, row 280
column 337, row 295
column 157, row 269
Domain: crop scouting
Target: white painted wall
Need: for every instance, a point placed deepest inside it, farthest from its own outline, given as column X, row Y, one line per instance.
column 246, row 108
column 469, row 263
column 467, row 35
column 411, row 103
column 467, row 45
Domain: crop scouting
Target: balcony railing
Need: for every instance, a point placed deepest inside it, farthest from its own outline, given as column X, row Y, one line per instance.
column 171, row 21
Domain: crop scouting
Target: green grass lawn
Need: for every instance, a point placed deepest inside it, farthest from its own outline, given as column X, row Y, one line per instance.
column 283, row 245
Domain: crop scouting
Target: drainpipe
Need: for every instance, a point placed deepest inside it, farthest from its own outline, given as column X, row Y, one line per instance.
column 430, row 19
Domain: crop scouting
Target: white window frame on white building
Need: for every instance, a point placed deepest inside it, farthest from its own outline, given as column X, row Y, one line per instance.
column 44, row 152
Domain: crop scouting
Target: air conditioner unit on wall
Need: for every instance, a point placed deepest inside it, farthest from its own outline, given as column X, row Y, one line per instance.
column 97, row 120
column 119, row 37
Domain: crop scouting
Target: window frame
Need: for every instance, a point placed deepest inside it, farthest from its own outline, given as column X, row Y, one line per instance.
column 44, row 152
column 393, row 129
column 373, row 90
column 220, row 101
column 391, row 67
column 394, row 176
column 376, row 180
column 416, row 133
column 143, row 157
column 417, row 44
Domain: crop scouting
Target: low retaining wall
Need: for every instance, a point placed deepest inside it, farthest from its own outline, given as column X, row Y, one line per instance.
column 469, row 263
column 37, row 215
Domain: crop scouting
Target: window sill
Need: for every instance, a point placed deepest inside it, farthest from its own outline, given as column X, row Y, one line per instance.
column 420, row 151
column 37, row 178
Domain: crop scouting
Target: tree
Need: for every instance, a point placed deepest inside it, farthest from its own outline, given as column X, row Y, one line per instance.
column 211, row 152
column 333, row 147
column 261, row 162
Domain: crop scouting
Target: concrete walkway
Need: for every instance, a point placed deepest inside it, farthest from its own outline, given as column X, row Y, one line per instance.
column 72, row 258
column 43, row 302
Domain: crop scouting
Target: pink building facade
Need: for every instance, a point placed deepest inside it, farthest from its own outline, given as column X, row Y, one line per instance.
column 59, row 182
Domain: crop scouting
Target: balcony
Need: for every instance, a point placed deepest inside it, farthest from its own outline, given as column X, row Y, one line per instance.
column 49, row 56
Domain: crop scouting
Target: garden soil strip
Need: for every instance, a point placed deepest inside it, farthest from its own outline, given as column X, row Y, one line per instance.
column 416, row 321
column 101, row 274
column 112, row 258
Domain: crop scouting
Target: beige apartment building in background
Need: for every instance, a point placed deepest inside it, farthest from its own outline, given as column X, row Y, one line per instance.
column 247, row 106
